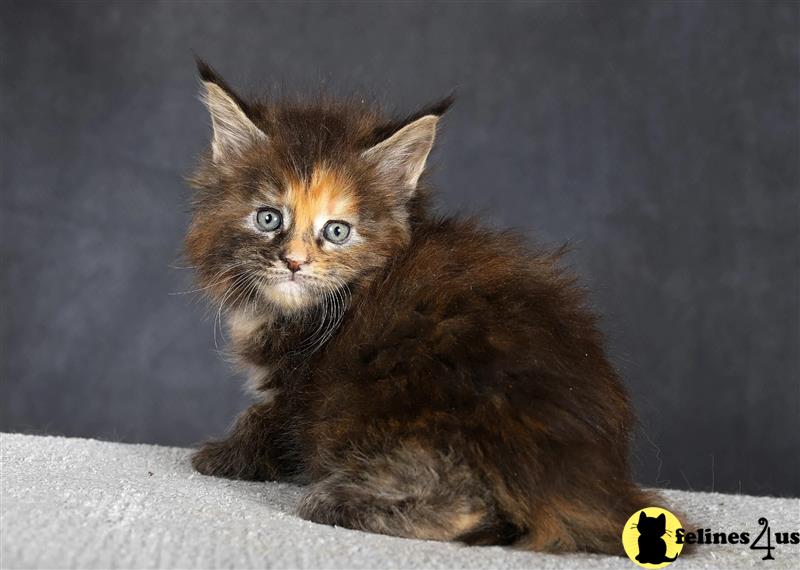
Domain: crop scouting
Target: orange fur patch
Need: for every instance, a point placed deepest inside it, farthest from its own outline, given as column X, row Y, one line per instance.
column 327, row 196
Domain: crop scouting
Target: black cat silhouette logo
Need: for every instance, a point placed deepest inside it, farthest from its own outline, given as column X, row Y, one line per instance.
column 649, row 537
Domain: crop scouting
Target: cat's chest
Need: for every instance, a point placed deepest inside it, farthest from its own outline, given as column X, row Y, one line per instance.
column 268, row 353
column 247, row 334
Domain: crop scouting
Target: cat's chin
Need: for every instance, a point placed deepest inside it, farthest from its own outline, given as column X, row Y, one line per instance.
column 289, row 295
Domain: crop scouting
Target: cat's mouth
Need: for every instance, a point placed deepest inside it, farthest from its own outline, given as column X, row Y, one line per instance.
column 295, row 290
column 289, row 290
column 291, row 282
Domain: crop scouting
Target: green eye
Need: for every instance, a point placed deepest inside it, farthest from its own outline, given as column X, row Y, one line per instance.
column 336, row 232
column 268, row 219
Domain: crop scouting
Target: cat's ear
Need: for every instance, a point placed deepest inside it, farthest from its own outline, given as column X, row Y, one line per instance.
column 642, row 517
column 402, row 155
column 233, row 129
column 662, row 519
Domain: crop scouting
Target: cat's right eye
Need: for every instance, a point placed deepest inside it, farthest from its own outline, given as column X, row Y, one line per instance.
column 268, row 219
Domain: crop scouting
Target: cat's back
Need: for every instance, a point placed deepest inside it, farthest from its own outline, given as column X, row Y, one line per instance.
column 457, row 265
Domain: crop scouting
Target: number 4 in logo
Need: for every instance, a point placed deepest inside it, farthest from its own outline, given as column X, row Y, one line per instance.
column 769, row 548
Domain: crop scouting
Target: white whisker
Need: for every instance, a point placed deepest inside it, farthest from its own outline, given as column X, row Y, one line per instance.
column 229, row 291
column 216, row 280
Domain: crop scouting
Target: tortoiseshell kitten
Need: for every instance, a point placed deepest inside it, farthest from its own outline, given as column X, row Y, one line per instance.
column 424, row 376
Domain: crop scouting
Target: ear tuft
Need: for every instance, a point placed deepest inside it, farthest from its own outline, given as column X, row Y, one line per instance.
column 206, row 72
column 439, row 108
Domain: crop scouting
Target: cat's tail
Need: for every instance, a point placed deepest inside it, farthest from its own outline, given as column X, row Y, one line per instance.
column 571, row 524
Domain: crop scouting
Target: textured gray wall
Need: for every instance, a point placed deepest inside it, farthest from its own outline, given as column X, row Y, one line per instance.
column 661, row 139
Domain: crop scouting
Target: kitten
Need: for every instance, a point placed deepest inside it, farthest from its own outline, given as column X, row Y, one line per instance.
column 425, row 377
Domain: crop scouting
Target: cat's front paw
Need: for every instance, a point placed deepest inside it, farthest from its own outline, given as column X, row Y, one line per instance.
column 224, row 459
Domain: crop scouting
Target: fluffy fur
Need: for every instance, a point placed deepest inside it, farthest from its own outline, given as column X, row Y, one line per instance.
column 429, row 378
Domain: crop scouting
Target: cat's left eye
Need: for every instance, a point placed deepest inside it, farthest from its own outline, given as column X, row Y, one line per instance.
column 336, row 232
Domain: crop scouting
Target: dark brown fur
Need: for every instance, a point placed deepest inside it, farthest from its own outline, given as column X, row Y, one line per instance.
column 465, row 394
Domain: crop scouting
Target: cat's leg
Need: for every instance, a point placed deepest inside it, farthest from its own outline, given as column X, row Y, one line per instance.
column 408, row 492
column 247, row 453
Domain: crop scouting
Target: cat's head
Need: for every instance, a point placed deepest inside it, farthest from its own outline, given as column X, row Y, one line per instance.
column 297, row 200
column 652, row 526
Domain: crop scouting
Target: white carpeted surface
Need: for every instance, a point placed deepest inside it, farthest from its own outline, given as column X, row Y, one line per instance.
column 75, row 503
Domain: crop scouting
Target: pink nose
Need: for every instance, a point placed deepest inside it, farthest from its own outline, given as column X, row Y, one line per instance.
column 292, row 263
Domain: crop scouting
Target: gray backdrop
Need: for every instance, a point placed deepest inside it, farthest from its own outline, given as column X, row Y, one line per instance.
column 661, row 139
